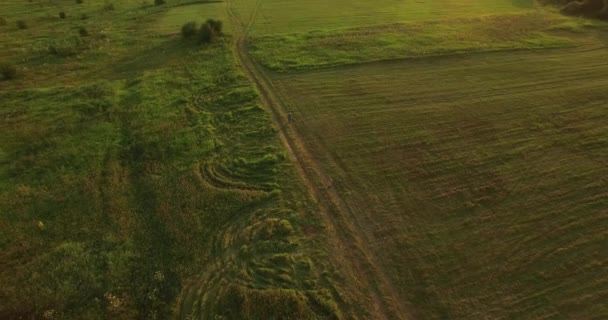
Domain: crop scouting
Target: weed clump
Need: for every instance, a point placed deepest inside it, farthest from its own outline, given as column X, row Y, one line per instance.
column 83, row 32
column 79, row 1
column 21, row 24
column 159, row 2
column 67, row 47
column 189, row 29
column 3, row 21
column 62, row 15
column 8, row 72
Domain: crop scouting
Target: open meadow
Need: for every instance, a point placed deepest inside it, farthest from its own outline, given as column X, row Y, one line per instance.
column 387, row 159
column 141, row 178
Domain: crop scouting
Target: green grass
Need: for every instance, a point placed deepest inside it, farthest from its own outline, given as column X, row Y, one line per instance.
column 478, row 179
column 280, row 16
column 140, row 176
column 439, row 37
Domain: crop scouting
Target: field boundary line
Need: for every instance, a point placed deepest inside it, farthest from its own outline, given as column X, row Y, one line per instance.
column 349, row 241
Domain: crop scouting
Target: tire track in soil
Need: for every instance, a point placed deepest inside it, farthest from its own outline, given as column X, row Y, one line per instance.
column 349, row 246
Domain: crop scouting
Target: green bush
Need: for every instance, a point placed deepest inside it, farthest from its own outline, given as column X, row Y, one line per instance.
column 8, row 72
column 210, row 31
column 587, row 8
column 83, row 32
column 216, row 25
column 3, row 21
column 159, row 2
column 206, row 34
column 189, row 30
column 21, row 24
column 62, row 15
column 79, row 1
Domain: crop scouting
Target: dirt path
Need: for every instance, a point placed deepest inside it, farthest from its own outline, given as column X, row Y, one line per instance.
column 349, row 246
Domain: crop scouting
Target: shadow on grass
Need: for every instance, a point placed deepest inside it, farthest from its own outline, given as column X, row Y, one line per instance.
column 163, row 55
column 190, row 3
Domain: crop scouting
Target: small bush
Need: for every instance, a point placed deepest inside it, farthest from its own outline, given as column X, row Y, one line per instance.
column 207, row 34
column 587, row 8
column 3, row 22
column 83, row 32
column 79, row 1
column 216, row 25
column 84, row 16
column 189, row 30
column 210, row 30
column 159, row 2
column 61, row 15
column 8, row 72
column 21, row 24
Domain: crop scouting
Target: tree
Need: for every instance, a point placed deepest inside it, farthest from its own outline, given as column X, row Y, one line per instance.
column 210, row 30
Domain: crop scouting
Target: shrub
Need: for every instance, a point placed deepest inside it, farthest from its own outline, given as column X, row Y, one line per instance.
column 216, row 25
column 210, row 30
column 79, row 1
column 588, row 8
column 21, row 24
column 3, row 21
column 159, row 2
column 8, row 71
column 61, row 15
column 189, row 30
column 84, row 16
column 207, row 34
column 83, row 32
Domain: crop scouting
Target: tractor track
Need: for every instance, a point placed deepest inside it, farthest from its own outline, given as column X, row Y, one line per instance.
column 349, row 244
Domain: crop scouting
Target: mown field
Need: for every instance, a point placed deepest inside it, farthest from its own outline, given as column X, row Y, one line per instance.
column 479, row 180
column 466, row 141
column 141, row 178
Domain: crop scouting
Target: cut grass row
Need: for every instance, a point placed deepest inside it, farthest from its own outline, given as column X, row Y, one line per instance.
column 478, row 179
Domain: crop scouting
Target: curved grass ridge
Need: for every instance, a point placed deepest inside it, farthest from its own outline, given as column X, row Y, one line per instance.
column 531, row 30
column 258, row 267
column 260, row 274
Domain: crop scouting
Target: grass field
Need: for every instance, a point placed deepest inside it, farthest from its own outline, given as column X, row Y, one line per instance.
column 446, row 160
column 411, row 40
column 476, row 178
column 140, row 178
column 284, row 16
